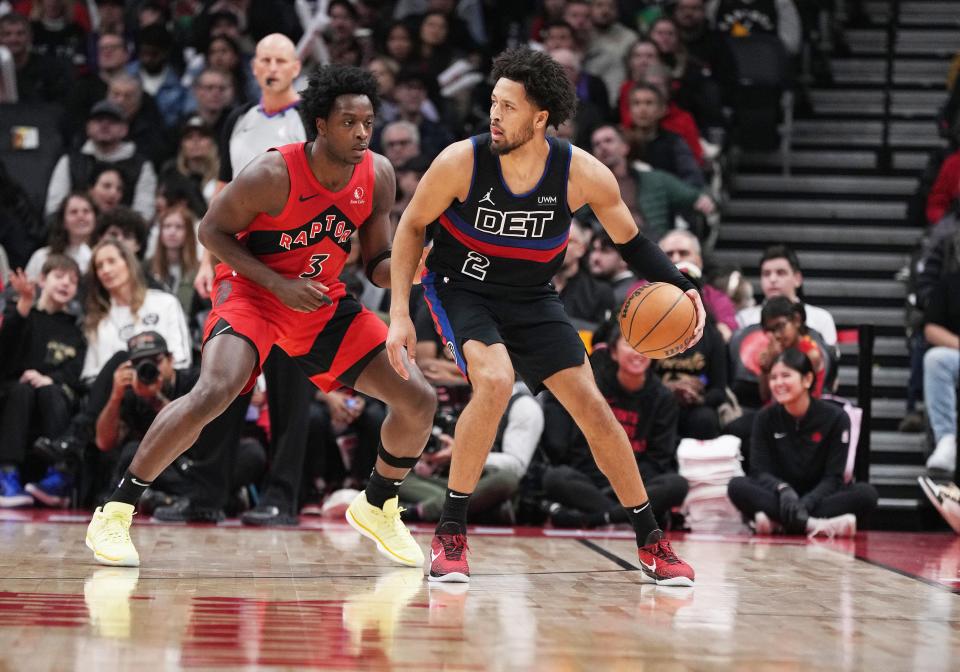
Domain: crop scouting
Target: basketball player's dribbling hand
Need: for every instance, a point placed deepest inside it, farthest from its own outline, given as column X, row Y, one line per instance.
column 701, row 318
column 301, row 294
column 402, row 337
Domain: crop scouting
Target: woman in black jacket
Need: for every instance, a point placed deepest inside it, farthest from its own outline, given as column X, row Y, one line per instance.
column 798, row 453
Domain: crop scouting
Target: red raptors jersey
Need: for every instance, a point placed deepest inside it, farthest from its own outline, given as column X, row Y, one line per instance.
column 311, row 237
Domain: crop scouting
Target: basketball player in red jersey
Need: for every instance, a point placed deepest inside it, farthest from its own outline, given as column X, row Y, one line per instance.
column 282, row 229
column 501, row 233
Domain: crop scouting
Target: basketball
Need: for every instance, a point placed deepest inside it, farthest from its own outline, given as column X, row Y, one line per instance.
column 657, row 319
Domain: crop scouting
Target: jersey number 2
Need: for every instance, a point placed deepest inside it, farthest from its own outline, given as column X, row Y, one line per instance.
column 316, row 266
column 476, row 265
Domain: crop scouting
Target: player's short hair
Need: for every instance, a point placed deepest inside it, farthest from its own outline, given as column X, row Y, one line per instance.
column 543, row 79
column 61, row 262
column 329, row 82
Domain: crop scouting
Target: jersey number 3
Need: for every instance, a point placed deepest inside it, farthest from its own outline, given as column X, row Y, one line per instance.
column 475, row 266
column 316, row 266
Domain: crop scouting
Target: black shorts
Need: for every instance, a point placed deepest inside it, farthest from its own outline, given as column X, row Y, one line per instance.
column 529, row 321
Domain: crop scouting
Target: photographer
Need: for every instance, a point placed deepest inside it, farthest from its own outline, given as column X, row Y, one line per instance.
column 517, row 438
column 144, row 385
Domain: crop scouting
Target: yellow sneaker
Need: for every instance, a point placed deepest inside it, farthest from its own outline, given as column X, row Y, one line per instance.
column 384, row 526
column 108, row 535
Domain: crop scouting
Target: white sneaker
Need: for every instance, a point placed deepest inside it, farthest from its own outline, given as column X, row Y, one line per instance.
column 839, row 526
column 944, row 456
column 945, row 498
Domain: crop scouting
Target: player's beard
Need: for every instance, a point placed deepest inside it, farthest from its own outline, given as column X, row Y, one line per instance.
column 523, row 137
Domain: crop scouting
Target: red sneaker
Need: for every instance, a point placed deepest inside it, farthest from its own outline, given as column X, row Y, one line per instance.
column 660, row 565
column 448, row 558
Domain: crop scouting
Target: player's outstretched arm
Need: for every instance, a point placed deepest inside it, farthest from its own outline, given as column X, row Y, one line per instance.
column 263, row 186
column 377, row 232
column 592, row 183
column 445, row 180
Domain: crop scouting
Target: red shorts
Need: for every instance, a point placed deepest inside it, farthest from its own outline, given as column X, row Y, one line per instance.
column 332, row 345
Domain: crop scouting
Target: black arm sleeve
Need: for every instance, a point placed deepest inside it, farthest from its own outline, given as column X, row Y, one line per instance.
column 648, row 261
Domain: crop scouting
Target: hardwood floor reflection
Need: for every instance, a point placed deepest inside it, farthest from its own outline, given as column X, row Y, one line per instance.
column 229, row 598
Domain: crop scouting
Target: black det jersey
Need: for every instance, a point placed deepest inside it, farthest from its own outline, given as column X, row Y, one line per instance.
column 500, row 237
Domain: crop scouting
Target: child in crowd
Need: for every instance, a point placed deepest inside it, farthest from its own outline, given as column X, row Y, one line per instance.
column 43, row 351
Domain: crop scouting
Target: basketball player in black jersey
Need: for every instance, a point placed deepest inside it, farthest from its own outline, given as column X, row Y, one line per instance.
column 503, row 203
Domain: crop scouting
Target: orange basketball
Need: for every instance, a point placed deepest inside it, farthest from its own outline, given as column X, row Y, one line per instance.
column 657, row 319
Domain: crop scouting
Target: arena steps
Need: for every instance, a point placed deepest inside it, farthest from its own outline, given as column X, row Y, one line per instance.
column 937, row 12
column 889, row 346
column 826, row 184
column 831, row 133
column 888, row 263
column 800, row 233
column 819, row 209
column 855, row 163
column 819, row 160
column 912, row 161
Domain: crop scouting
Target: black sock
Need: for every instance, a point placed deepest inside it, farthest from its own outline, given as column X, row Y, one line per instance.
column 380, row 488
column 130, row 489
column 453, row 520
column 644, row 524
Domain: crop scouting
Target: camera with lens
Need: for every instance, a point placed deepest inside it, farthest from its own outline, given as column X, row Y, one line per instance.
column 443, row 423
column 147, row 371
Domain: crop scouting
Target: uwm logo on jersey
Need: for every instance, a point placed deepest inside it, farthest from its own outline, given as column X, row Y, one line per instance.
column 331, row 223
column 513, row 223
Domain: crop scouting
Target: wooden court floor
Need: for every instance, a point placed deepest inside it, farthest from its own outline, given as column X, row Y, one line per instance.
column 227, row 598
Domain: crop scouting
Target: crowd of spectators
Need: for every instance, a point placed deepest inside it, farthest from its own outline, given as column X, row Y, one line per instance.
column 933, row 310
column 155, row 104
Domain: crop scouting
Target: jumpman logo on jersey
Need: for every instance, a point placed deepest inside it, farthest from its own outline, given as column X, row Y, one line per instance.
column 487, row 198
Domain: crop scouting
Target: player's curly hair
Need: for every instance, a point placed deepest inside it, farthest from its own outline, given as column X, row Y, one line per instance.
column 545, row 82
column 329, row 82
